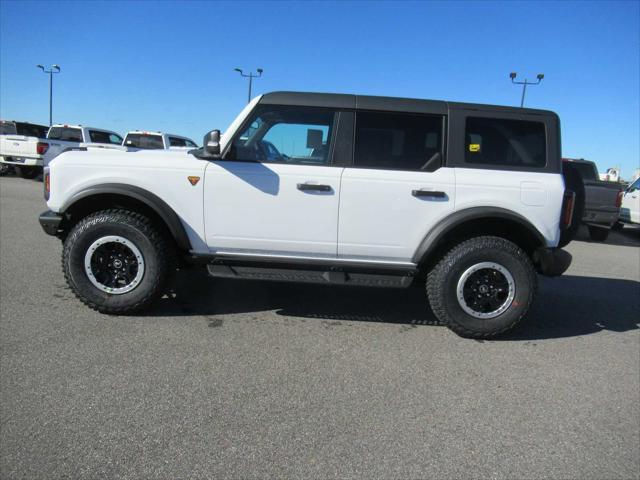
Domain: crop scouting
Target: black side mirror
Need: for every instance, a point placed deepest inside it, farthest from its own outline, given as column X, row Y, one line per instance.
column 211, row 143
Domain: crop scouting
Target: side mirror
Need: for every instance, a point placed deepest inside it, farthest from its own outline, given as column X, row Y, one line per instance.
column 211, row 143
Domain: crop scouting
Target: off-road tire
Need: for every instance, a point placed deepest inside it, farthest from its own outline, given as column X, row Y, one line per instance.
column 598, row 234
column 443, row 279
column 157, row 250
column 27, row 172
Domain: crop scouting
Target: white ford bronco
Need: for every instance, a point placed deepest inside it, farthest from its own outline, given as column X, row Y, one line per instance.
column 328, row 188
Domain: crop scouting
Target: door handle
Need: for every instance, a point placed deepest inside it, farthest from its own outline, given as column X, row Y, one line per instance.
column 428, row 193
column 305, row 187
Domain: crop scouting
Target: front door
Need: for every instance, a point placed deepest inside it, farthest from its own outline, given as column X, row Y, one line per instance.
column 275, row 191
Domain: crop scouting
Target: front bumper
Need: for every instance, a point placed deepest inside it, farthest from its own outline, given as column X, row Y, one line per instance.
column 552, row 262
column 50, row 222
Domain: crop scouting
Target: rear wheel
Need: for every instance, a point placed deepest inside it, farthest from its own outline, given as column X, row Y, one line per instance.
column 482, row 288
column 117, row 261
column 27, row 172
column 598, row 234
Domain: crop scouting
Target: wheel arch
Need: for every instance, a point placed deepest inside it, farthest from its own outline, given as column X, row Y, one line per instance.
column 477, row 221
column 115, row 195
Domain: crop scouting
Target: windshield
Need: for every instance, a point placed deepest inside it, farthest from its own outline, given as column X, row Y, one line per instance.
column 144, row 140
column 68, row 134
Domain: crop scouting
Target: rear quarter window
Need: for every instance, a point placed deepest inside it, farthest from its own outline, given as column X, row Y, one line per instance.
column 502, row 142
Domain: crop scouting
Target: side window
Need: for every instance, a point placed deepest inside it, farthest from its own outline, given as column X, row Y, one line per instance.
column 98, row 136
column 398, row 141
column 177, row 142
column 509, row 143
column 68, row 134
column 299, row 135
column 190, row 144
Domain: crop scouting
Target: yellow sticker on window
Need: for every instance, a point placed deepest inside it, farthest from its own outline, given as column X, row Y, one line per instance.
column 474, row 147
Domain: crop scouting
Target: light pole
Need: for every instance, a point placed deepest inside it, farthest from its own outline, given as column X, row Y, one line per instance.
column 250, row 76
column 54, row 69
column 524, row 84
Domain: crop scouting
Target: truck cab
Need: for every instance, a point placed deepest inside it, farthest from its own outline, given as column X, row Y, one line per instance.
column 144, row 140
column 63, row 137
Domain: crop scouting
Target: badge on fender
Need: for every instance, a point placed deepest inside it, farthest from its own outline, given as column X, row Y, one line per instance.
column 193, row 180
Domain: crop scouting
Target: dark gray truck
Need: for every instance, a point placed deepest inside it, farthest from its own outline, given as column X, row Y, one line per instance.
column 597, row 201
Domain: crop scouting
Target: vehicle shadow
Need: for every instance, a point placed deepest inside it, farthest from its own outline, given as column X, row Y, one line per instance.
column 629, row 236
column 567, row 306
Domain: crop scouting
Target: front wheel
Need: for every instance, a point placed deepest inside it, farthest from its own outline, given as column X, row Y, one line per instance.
column 117, row 261
column 482, row 288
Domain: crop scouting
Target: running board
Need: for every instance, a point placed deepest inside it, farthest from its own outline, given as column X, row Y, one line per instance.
column 310, row 276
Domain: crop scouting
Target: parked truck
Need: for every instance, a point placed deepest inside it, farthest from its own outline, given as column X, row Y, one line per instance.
column 22, row 147
column 597, row 201
column 62, row 138
column 143, row 140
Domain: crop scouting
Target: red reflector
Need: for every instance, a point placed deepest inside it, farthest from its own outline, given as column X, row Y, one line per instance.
column 47, row 185
column 42, row 148
column 567, row 208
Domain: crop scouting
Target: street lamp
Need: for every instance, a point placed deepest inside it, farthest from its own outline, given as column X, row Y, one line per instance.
column 250, row 76
column 54, row 69
column 524, row 84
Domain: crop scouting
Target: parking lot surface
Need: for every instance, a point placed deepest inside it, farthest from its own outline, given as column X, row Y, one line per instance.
column 237, row 379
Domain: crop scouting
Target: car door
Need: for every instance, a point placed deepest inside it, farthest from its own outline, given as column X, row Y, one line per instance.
column 275, row 192
column 396, row 189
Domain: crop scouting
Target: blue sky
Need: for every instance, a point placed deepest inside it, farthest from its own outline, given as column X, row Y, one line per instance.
column 169, row 66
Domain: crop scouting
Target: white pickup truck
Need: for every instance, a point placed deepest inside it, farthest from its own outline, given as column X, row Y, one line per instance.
column 22, row 146
column 141, row 140
column 62, row 138
column 468, row 200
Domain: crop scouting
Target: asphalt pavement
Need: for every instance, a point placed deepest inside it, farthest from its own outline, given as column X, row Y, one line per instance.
column 239, row 379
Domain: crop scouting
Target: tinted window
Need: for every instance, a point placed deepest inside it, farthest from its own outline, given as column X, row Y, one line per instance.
column 141, row 140
column 177, row 142
column 285, row 134
column 509, row 143
column 7, row 128
column 31, row 130
column 68, row 134
column 398, row 141
column 105, row 137
column 190, row 144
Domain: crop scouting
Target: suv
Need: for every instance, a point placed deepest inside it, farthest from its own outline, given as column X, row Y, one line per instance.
column 137, row 139
column 328, row 188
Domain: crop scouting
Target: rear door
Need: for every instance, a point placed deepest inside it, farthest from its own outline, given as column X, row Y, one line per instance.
column 276, row 191
column 397, row 189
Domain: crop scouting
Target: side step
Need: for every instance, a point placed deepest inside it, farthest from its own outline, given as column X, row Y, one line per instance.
column 310, row 276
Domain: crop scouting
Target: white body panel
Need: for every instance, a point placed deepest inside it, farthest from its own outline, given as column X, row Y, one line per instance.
column 381, row 219
column 256, row 207
column 20, row 150
column 535, row 196
column 630, row 209
column 163, row 173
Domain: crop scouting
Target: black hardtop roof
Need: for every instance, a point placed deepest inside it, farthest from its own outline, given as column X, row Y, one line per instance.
column 395, row 104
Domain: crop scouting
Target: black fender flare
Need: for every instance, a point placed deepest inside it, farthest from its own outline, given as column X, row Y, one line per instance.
column 437, row 233
column 159, row 206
